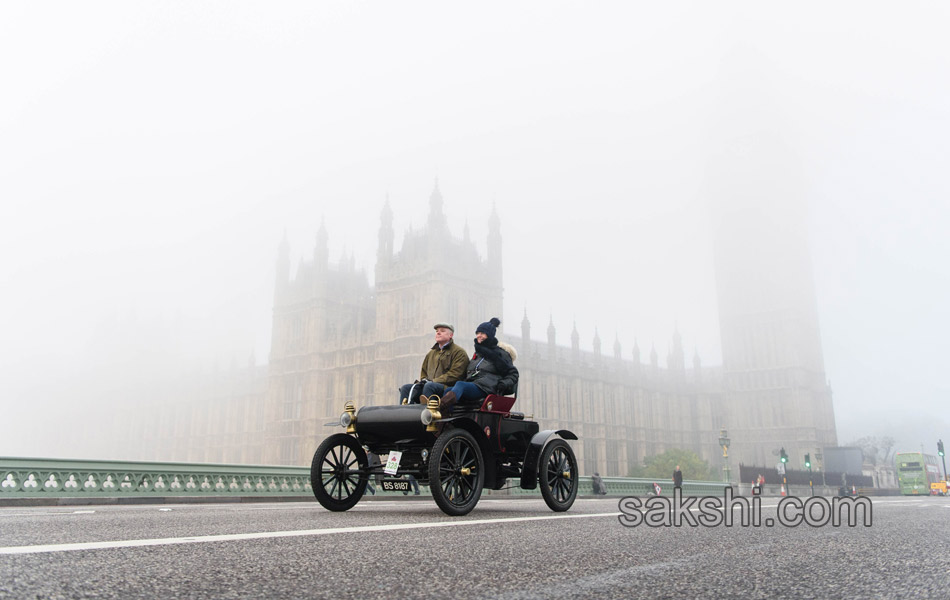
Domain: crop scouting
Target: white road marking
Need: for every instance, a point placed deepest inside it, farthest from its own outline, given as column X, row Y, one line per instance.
column 60, row 513
column 39, row 549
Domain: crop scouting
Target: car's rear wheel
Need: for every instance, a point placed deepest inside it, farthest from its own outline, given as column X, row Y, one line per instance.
column 456, row 473
column 558, row 475
column 338, row 473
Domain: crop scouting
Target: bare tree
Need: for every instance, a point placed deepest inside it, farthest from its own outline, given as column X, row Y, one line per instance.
column 876, row 450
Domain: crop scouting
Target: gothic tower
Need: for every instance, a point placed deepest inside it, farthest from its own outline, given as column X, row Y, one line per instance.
column 773, row 369
column 433, row 277
column 320, row 317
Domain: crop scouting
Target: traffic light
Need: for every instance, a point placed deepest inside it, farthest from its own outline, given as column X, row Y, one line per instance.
column 808, row 461
column 940, row 447
column 782, row 456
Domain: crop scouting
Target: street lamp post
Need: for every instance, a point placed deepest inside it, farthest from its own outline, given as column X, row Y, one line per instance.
column 783, row 460
column 942, row 458
column 811, row 482
column 724, row 443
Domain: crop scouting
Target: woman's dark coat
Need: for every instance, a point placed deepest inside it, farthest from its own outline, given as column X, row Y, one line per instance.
column 492, row 369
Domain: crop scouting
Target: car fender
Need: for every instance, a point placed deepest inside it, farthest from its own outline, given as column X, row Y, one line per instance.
column 488, row 455
column 529, row 472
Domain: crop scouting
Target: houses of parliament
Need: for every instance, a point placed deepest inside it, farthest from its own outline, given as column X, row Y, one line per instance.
column 338, row 338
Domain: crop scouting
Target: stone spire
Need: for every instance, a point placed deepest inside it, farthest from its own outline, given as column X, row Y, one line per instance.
column 575, row 343
column 525, row 329
column 384, row 252
column 282, row 280
column 677, row 359
column 436, row 216
column 321, row 251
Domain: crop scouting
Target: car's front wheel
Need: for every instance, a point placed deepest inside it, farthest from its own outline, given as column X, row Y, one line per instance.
column 338, row 473
column 456, row 473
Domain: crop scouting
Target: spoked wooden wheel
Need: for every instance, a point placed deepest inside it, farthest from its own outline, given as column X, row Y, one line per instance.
column 339, row 472
column 456, row 473
column 558, row 475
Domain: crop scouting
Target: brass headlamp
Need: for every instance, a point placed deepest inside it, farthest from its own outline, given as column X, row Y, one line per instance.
column 348, row 418
column 431, row 414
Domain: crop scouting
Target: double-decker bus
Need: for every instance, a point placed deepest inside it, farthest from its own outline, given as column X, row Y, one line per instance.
column 915, row 472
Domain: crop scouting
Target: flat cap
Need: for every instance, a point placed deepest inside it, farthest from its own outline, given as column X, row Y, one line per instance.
column 446, row 325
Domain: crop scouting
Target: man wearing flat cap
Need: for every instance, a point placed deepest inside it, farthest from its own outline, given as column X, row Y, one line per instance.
column 443, row 366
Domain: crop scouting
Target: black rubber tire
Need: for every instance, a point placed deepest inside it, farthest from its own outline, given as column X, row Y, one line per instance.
column 557, row 475
column 336, row 483
column 456, row 493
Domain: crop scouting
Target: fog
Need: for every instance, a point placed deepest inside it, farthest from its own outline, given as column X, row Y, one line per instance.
column 153, row 156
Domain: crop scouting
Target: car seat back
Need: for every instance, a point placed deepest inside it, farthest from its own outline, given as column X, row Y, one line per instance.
column 497, row 404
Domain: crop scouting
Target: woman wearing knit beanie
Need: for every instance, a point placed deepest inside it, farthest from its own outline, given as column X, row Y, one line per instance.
column 491, row 370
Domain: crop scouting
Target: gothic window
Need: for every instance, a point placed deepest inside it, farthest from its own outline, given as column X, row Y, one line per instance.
column 288, row 451
column 293, row 398
column 370, row 385
column 296, row 330
column 590, row 456
column 409, row 312
column 452, row 310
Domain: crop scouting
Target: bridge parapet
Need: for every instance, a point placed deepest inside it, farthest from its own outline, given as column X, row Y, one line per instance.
column 55, row 478
column 31, row 478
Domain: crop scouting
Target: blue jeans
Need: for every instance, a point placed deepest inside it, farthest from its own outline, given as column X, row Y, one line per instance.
column 430, row 388
column 467, row 392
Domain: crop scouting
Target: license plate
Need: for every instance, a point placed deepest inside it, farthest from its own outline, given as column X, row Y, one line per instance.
column 396, row 485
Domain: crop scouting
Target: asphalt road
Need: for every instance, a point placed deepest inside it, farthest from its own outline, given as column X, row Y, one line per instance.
column 509, row 549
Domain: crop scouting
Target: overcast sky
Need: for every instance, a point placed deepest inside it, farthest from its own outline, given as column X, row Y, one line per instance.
column 152, row 155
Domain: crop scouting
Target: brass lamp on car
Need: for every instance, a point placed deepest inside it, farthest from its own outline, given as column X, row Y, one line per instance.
column 431, row 414
column 348, row 418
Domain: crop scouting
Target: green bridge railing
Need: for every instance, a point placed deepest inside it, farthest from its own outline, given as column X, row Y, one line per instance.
column 31, row 478
column 48, row 478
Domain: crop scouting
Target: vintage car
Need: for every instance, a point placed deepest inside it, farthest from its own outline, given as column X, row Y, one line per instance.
column 456, row 455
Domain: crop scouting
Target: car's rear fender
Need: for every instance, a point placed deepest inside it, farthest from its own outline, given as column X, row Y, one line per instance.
column 529, row 472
